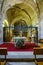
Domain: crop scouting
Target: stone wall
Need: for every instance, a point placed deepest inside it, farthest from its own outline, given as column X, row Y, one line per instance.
column 1, row 29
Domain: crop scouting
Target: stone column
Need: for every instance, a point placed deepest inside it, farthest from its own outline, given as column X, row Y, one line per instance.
column 41, row 26
column 1, row 30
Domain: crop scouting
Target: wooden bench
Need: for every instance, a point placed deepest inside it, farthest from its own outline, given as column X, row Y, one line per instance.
column 38, row 51
column 41, row 41
column 3, row 51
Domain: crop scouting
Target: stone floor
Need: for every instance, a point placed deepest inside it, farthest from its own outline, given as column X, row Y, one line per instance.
column 20, row 63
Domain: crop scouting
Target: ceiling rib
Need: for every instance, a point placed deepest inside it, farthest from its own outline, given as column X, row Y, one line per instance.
column 38, row 8
column 24, row 11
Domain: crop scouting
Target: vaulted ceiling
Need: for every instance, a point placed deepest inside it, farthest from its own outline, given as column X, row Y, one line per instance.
column 28, row 11
column 21, row 12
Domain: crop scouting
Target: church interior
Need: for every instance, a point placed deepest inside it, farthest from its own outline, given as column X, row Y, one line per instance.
column 21, row 32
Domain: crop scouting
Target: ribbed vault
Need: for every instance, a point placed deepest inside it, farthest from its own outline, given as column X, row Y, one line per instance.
column 21, row 11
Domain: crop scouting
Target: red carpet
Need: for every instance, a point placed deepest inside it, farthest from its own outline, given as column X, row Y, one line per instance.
column 10, row 47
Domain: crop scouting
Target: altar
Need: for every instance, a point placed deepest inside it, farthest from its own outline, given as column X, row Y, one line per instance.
column 15, row 38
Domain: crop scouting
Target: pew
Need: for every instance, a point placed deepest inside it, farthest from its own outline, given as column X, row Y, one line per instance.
column 3, row 51
column 38, row 51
